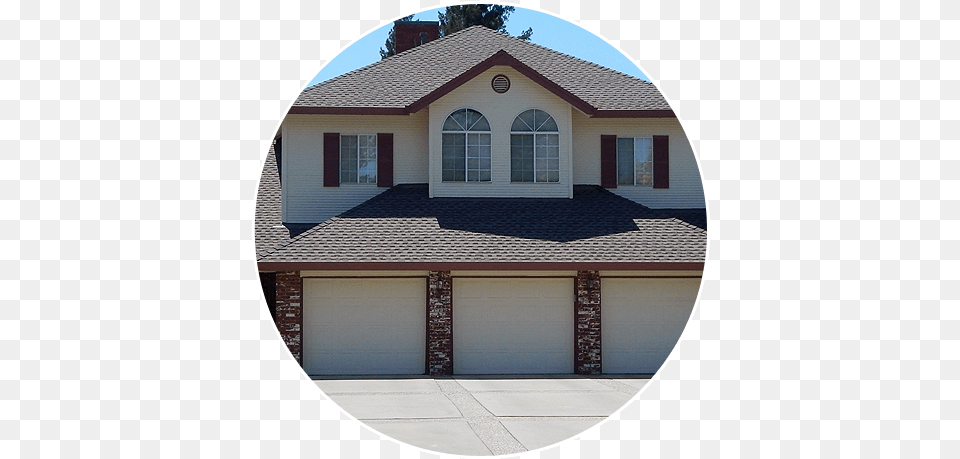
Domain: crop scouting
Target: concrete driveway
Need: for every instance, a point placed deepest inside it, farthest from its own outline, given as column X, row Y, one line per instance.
column 482, row 415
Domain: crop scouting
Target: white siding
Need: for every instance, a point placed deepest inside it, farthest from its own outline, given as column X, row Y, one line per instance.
column 305, row 199
column 500, row 110
column 686, row 188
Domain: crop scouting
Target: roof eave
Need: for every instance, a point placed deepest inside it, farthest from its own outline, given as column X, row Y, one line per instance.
column 281, row 266
column 634, row 114
column 307, row 110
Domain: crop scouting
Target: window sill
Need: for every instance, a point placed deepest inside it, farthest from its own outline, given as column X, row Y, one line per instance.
column 463, row 183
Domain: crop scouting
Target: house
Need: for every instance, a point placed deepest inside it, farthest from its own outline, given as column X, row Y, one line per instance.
column 481, row 204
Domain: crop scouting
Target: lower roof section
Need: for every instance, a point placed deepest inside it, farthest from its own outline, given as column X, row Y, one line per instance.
column 403, row 228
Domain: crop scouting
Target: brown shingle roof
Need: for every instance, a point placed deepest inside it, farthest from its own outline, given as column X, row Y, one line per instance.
column 269, row 231
column 404, row 225
column 396, row 84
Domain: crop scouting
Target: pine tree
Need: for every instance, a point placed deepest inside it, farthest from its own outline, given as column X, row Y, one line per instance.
column 455, row 18
column 391, row 43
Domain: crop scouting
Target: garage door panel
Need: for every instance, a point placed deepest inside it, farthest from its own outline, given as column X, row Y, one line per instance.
column 497, row 289
column 364, row 326
column 513, row 325
column 642, row 320
column 404, row 288
column 361, row 362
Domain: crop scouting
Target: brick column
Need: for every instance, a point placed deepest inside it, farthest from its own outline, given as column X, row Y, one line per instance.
column 439, row 323
column 289, row 316
column 587, row 323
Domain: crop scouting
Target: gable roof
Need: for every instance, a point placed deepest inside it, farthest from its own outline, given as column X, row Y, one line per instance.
column 409, row 81
column 403, row 228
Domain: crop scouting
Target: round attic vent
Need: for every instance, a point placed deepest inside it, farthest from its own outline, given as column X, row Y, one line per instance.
column 500, row 83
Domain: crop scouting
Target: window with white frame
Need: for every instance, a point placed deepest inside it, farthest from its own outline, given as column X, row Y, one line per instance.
column 358, row 158
column 635, row 161
column 465, row 147
column 534, row 148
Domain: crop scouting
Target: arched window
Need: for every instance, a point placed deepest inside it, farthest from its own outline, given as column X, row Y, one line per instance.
column 465, row 153
column 534, row 148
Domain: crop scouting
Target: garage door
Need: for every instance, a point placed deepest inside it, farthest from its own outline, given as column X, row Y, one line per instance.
column 641, row 321
column 512, row 326
column 364, row 326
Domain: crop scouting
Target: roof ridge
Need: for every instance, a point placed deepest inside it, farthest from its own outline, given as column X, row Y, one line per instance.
column 408, row 52
column 425, row 69
column 519, row 40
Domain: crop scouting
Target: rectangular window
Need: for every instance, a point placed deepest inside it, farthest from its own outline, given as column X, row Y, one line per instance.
column 465, row 157
column 358, row 158
column 535, row 158
column 635, row 161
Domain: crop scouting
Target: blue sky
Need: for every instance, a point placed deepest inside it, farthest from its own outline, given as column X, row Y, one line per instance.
column 549, row 31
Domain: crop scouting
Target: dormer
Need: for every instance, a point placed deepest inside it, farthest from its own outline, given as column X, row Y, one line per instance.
column 501, row 134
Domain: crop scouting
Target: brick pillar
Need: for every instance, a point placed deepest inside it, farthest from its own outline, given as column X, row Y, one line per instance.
column 439, row 323
column 289, row 312
column 587, row 323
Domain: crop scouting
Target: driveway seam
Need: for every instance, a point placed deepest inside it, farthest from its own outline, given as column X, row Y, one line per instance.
column 488, row 428
column 618, row 386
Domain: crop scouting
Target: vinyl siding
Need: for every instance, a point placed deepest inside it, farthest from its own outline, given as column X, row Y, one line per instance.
column 686, row 188
column 500, row 110
column 305, row 199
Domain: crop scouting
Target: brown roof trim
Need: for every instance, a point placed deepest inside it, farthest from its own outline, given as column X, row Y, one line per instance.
column 481, row 266
column 634, row 114
column 301, row 110
column 502, row 58
column 308, row 110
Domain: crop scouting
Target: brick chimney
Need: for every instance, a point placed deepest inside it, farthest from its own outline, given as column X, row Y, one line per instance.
column 410, row 34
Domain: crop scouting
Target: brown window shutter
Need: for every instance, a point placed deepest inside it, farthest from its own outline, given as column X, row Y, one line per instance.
column 661, row 161
column 608, row 161
column 331, row 159
column 385, row 160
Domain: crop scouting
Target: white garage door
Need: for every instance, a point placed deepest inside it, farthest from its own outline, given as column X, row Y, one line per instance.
column 511, row 326
column 364, row 326
column 641, row 321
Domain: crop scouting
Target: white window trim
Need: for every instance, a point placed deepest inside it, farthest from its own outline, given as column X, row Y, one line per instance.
column 636, row 163
column 376, row 156
column 466, row 149
column 534, row 134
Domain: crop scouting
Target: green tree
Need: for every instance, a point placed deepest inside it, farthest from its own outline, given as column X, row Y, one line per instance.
column 459, row 17
column 391, row 43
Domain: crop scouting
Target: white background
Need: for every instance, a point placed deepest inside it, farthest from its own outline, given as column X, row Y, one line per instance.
column 133, row 135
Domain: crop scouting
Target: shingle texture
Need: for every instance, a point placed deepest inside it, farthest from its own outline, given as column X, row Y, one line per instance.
column 401, row 80
column 404, row 225
column 269, row 231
